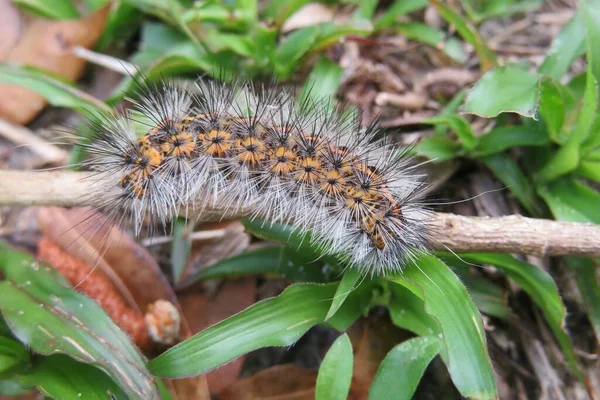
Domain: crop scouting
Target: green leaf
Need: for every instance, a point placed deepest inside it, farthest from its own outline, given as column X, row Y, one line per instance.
column 509, row 136
column 55, row 89
column 402, row 368
column 589, row 170
column 53, row 9
column 323, row 81
column 447, row 300
column 278, row 321
column 587, row 282
column 459, row 125
column 439, row 149
column 506, row 169
column 61, row 377
column 50, row 317
column 335, row 372
column 407, row 311
column 568, row 45
column 12, row 354
column 279, row 261
column 489, row 298
column 504, row 89
column 348, row 284
column 571, row 200
column 399, row 8
column 434, row 37
column 487, row 58
column 291, row 49
column 540, row 286
column 552, row 106
column 565, row 160
column 280, row 10
column 480, row 11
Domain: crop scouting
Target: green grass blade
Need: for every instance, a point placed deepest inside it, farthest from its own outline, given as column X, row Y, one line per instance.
column 447, row 301
column 278, row 321
column 276, row 260
column 55, row 89
column 61, row 377
column 402, row 368
column 335, row 372
column 47, row 315
column 540, row 286
column 53, row 9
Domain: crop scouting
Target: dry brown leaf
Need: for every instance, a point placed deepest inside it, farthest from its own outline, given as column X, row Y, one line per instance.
column 86, row 234
column 372, row 338
column 48, row 45
column 11, row 25
column 202, row 312
column 310, row 14
column 282, row 382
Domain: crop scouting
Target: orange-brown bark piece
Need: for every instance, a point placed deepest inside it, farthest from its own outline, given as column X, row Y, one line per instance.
column 98, row 287
column 48, row 45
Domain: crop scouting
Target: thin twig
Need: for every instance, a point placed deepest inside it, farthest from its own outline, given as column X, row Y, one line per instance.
column 511, row 234
column 20, row 135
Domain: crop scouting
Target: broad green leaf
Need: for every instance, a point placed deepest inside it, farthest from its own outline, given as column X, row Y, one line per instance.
column 210, row 11
column 402, row 368
column 12, row 354
column 278, row 321
column 399, row 8
column 589, row 288
column 60, row 377
column 56, row 90
column 571, row 200
column 489, row 298
column 407, row 311
column 323, row 81
column 508, row 172
column 439, row 149
column 565, row 48
column 280, row 10
column 487, row 58
column 335, row 372
column 459, row 125
column 551, row 106
column 53, row 9
column 565, row 160
column 509, row 136
column 276, row 260
column 434, row 37
column 447, row 300
column 350, row 281
column 218, row 41
column 589, row 170
column 540, row 286
column 504, row 89
column 451, row 108
column 48, row 316
column 123, row 21
column 291, row 49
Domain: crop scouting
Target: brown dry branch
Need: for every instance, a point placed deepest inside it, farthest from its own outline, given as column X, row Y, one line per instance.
column 510, row 234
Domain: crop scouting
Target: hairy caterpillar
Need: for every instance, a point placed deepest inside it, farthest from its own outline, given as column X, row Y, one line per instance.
column 255, row 148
